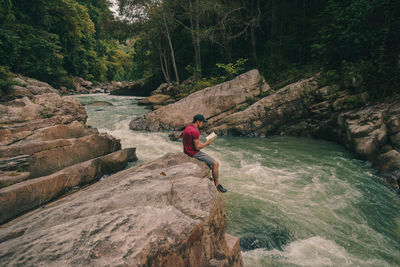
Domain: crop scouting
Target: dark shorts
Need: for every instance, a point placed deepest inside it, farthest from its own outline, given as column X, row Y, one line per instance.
column 205, row 158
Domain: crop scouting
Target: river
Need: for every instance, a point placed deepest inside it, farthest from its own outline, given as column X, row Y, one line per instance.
column 292, row 201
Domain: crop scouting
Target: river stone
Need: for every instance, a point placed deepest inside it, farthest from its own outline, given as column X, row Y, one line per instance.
column 100, row 103
column 176, row 136
column 24, row 196
column 210, row 102
column 163, row 213
column 395, row 140
column 154, row 100
column 389, row 161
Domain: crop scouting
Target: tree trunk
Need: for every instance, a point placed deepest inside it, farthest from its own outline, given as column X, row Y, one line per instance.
column 274, row 35
column 171, row 48
column 197, row 46
column 254, row 23
column 164, row 68
column 303, row 35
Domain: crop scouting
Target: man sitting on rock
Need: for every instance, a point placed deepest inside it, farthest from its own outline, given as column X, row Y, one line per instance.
column 192, row 146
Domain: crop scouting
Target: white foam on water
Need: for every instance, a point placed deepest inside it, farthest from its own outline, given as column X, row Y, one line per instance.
column 313, row 251
column 148, row 145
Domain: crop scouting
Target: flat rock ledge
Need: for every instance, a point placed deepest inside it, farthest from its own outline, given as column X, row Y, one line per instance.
column 162, row 213
column 24, row 196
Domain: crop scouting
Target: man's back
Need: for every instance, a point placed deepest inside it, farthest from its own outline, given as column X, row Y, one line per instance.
column 189, row 135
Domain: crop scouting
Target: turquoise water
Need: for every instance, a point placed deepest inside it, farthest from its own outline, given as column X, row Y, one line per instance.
column 292, row 201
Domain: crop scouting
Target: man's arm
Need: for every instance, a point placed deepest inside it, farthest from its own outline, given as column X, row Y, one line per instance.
column 199, row 145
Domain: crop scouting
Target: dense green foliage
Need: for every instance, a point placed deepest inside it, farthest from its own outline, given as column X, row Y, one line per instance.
column 5, row 81
column 353, row 43
column 55, row 40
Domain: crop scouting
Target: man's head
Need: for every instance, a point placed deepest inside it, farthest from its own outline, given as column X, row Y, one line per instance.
column 198, row 120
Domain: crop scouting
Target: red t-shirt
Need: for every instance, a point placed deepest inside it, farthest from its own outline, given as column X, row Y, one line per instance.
column 189, row 135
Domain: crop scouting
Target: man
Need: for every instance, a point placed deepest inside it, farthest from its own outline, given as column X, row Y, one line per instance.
column 192, row 146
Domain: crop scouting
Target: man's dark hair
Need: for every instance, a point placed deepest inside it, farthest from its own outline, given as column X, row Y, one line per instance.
column 199, row 117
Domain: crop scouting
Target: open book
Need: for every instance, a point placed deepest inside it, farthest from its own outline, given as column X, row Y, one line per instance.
column 212, row 136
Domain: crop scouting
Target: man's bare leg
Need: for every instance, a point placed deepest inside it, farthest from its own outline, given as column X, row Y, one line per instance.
column 215, row 172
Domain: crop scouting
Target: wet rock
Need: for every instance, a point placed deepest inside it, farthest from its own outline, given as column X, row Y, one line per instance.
column 136, row 217
column 269, row 238
column 176, row 136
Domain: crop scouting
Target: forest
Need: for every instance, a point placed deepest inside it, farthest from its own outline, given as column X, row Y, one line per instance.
column 352, row 43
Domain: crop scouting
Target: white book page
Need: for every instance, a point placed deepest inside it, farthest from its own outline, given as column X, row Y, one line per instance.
column 211, row 137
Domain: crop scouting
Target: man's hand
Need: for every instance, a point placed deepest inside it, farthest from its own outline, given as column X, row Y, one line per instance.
column 198, row 145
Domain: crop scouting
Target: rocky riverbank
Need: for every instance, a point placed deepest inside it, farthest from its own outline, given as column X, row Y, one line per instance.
column 163, row 213
column 247, row 106
column 43, row 141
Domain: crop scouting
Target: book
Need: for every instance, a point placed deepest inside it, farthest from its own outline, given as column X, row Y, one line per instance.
column 211, row 137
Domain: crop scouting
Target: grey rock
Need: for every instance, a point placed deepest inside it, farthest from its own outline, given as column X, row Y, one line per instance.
column 23, row 196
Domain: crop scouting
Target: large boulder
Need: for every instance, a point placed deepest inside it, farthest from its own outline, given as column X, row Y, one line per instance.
column 392, row 117
column 28, row 87
column 82, row 86
column 363, row 132
column 211, row 101
column 282, row 107
column 163, row 213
